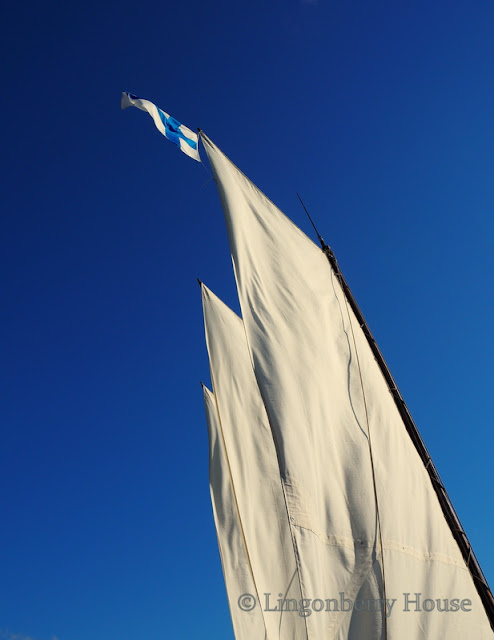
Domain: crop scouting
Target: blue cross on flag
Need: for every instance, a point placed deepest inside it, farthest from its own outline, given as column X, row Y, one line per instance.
column 172, row 129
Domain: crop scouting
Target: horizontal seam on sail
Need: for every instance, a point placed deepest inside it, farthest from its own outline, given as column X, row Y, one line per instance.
column 389, row 545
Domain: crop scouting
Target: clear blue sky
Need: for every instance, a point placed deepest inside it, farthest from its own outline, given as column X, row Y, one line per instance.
column 380, row 114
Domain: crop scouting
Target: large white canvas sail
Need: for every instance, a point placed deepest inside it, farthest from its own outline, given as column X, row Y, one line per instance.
column 347, row 463
column 247, row 625
column 254, row 471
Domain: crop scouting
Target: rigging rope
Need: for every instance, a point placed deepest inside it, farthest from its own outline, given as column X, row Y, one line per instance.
column 369, row 440
column 335, row 269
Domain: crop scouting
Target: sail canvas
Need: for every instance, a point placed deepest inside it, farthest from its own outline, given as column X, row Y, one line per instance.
column 247, row 624
column 366, row 521
column 254, row 469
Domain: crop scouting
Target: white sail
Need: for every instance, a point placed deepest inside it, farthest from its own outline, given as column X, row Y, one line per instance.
column 346, row 460
column 247, row 625
column 254, row 470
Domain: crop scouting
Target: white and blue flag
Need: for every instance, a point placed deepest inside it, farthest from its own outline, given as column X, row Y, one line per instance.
column 172, row 129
